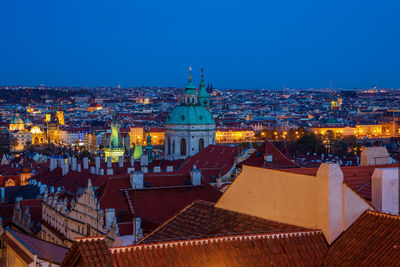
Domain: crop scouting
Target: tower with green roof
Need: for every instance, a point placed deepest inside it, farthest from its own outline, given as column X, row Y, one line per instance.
column 114, row 149
column 189, row 127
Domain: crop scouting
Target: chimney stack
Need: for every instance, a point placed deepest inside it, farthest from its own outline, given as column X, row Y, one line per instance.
column 121, row 161
column 385, row 190
column 109, row 162
column 110, row 215
column 73, row 165
column 97, row 162
column 137, row 179
column 195, row 176
column 85, row 163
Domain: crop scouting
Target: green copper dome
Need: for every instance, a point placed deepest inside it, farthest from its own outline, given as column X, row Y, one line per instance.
column 16, row 120
column 190, row 115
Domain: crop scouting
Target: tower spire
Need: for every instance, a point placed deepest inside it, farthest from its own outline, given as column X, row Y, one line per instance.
column 190, row 73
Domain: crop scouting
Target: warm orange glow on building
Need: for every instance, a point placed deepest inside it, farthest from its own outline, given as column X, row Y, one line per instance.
column 234, row 135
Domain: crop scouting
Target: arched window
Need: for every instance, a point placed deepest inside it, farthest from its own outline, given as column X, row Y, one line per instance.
column 183, row 147
column 201, row 144
column 169, row 146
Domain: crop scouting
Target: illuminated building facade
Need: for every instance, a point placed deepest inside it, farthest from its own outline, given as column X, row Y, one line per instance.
column 53, row 128
column 234, row 135
column 38, row 136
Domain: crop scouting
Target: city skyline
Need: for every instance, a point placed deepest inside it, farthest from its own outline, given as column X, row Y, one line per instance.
column 263, row 45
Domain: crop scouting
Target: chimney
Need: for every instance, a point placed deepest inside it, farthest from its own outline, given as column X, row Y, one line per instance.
column 385, row 190
column 121, row 161
column 65, row 168
column 144, row 160
column 85, row 163
column 157, row 169
column 136, row 228
column 73, row 165
column 110, row 215
column 109, row 162
column 268, row 158
column 53, row 164
column 137, row 179
column 218, row 182
column 195, row 176
column 331, row 208
column 97, row 162
column 170, row 168
column 78, row 167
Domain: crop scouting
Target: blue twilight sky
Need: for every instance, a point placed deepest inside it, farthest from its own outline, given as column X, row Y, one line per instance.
column 241, row 44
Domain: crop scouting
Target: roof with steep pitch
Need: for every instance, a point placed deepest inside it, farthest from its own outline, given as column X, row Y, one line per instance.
column 279, row 160
column 214, row 157
column 372, row 240
column 93, row 251
column 305, row 248
column 164, row 195
column 201, row 219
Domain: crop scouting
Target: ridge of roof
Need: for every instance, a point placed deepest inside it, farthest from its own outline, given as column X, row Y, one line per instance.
column 383, row 214
column 209, row 240
column 173, row 217
column 89, row 238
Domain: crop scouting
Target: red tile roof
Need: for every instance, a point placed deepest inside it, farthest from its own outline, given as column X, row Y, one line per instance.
column 158, row 205
column 267, row 148
column 217, row 158
column 297, row 248
column 372, row 240
column 167, row 195
column 92, row 251
column 201, row 219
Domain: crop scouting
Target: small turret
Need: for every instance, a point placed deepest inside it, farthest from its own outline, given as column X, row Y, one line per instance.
column 204, row 97
column 190, row 94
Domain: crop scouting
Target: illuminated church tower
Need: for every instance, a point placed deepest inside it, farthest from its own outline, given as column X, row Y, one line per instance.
column 189, row 127
column 53, row 128
column 114, row 149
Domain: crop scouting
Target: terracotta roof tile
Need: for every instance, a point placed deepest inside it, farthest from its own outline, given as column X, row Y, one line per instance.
column 306, row 248
column 279, row 160
column 202, row 219
column 372, row 240
column 93, row 252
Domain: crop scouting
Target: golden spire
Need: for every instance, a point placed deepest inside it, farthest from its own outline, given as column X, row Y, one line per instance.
column 190, row 73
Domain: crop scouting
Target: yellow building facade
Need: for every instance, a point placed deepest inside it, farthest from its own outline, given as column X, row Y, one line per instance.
column 234, row 135
column 360, row 131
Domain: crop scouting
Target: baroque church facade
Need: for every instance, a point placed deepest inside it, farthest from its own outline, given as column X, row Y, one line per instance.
column 189, row 127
